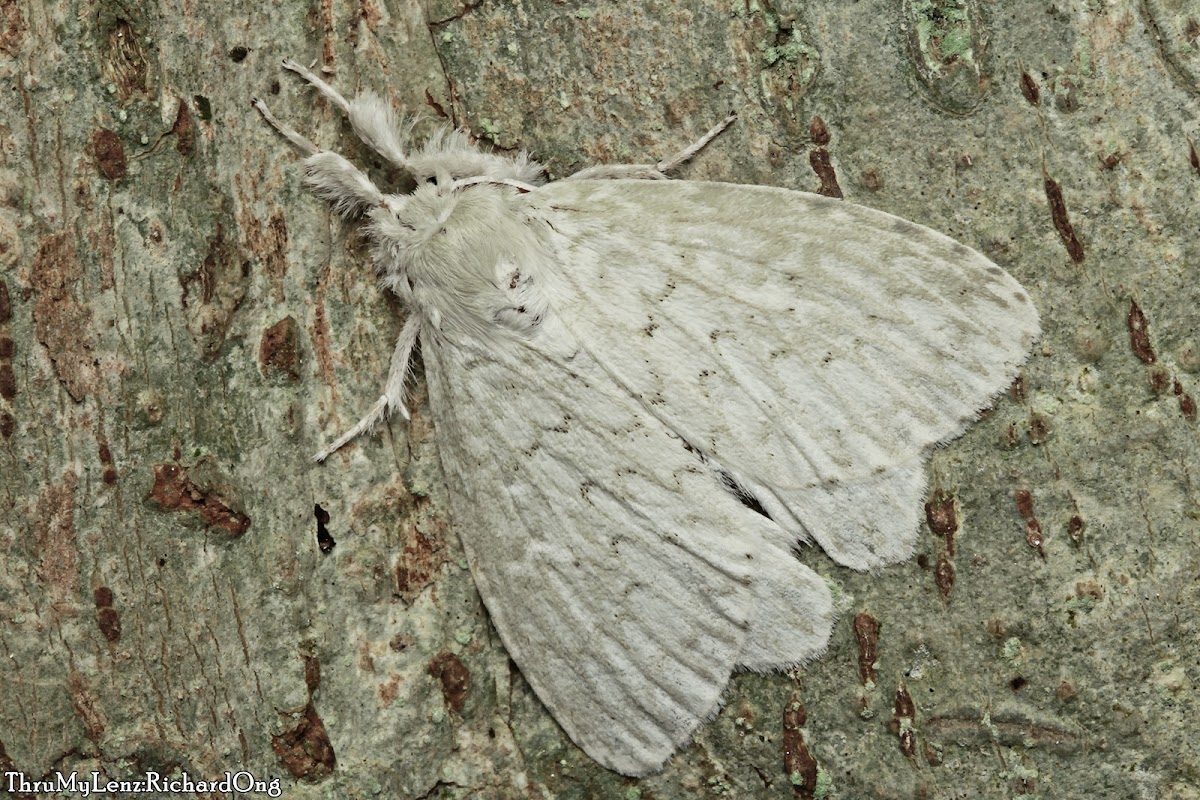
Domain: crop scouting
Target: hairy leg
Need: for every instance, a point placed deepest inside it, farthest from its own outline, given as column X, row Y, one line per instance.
column 330, row 175
column 392, row 398
column 370, row 115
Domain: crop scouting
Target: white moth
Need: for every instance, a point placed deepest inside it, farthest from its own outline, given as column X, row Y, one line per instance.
column 647, row 393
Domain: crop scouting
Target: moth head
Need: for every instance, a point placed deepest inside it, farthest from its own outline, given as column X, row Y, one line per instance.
column 402, row 226
column 395, row 227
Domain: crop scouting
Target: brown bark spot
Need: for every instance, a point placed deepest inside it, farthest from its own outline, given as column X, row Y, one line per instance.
column 1187, row 406
column 266, row 242
column 124, row 62
column 84, row 701
column 414, row 570
column 62, row 323
column 1159, row 379
column 8, row 382
column 1062, row 221
column 941, row 515
column 184, row 130
column 219, row 285
column 389, row 690
column 370, row 14
column 1029, row 89
column 279, row 349
column 798, row 762
column 904, row 707
column 54, row 536
column 312, row 673
column 12, row 28
column 1139, row 334
column 435, row 105
column 943, row 574
column 818, row 158
column 454, row 677
column 872, row 180
column 109, row 622
column 1024, row 501
column 173, row 490
column 904, row 715
column 1017, row 388
column 818, row 132
column 1075, row 528
column 866, row 633
column 109, row 154
column 305, row 749
column 1039, row 428
column 1033, row 536
column 108, row 472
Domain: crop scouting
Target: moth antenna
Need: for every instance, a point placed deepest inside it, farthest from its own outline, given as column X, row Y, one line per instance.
column 370, row 115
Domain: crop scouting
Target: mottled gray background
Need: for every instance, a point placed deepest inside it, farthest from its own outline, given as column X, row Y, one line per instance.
column 186, row 325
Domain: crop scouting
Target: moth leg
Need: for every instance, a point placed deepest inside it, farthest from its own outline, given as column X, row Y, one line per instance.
column 370, row 115
column 330, row 175
column 302, row 144
column 321, row 86
column 653, row 171
column 392, row 398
